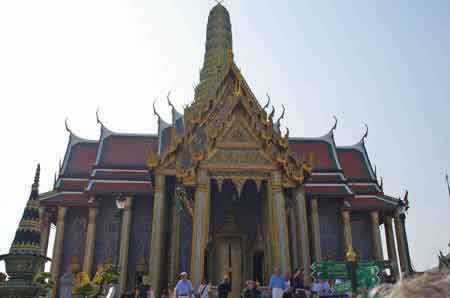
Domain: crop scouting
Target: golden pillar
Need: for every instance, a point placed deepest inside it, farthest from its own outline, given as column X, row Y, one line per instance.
column 90, row 241
column 293, row 238
column 280, row 224
column 347, row 230
column 45, row 230
column 401, row 243
column 58, row 250
column 303, row 233
column 390, row 243
column 125, row 243
column 175, row 244
column 316, row 230
column 377, row 246
column 200, row 227
column 157, row 237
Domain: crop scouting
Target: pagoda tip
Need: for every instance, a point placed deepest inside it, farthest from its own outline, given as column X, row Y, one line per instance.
column 38, row 173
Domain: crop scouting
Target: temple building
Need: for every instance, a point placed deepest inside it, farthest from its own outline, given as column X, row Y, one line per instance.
column 220, row 189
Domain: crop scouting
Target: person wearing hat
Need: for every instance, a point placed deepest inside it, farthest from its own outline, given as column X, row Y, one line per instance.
column 183, row 289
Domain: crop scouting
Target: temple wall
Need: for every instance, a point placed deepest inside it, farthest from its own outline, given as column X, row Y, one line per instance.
column 74, row 238
column 107, row 233
column 362, row 235
column 331, row 230
column 141, row 227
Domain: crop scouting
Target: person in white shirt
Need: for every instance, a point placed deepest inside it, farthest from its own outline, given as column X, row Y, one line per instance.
column 203, row 289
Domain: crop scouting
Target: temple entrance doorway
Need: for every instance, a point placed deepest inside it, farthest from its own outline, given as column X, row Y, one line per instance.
column 229, row 262
column 237, row 246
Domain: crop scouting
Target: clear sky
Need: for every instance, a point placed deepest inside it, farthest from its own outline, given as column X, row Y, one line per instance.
column 384, row 63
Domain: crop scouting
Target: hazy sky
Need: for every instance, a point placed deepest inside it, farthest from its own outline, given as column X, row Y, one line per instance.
column 384, row 63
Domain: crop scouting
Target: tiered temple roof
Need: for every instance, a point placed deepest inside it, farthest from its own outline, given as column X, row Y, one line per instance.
column 120, row 163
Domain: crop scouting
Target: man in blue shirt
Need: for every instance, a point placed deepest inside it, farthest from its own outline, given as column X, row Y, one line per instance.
column 183, row 289
column 276, row 283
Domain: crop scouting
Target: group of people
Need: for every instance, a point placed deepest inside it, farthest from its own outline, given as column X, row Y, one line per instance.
column 141, row 291
column 285, row 286
column 184, row 288
column 281, row 286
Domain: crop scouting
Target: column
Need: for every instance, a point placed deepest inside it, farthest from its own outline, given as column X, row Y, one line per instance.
column 377, row 247
column 125, row 243
column 58, row 250
column 200, row 227
column 401, row 244
column 90, row 241
column 347, row 229
column 157, row 237
column 268, row 231
column 280, row 226
column 305, row 259
column 390, row 243
column 316, row 230
column 45, row 230
column 293, row 237
column 174, row 244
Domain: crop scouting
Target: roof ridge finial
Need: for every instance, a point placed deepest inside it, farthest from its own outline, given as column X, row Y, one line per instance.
column 154, row 110
column 268, row 102
column 272, row 114
column 448, row 185
column 168, row 100
column 67, row 126
column 366, row 133
column 97, row 115
column 282, row 114
column 335, row 123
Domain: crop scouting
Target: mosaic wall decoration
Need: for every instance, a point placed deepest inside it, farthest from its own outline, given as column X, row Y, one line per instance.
column 74, row 239
column 362, row 235
column 141, row 228
column 107, row 234
column 331, row 230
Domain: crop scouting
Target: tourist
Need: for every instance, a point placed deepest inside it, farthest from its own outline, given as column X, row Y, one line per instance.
column 224, row 287
column 287, row 286
column 183, row 289
column 321, row 288
column 137, row 292
column 203, row 289
column 251, row 291
column 149, row 291
column 276, row 284
column 297, row 283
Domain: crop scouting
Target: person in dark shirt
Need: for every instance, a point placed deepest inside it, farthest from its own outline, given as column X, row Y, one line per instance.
column 251, row 291
column 224, row 288
column 297, row 283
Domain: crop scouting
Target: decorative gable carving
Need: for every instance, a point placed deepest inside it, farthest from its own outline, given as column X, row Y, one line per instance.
column 232, row 130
